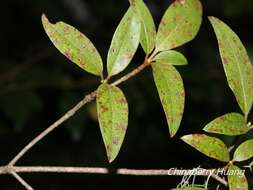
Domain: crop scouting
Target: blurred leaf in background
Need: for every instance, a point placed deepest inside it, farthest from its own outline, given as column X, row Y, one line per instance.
column 20, row 107
column 77, row 124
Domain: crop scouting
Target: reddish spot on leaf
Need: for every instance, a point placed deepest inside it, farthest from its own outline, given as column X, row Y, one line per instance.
column 68, row 54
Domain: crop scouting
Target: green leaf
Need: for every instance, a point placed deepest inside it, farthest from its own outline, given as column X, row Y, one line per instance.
column 148, row 30
column 179, row 24
column 112, row 112
column 189, row 188
column 236, row 64
column 228, row 124
column 171, row 92
column 124, row 43
column 244, row 151
column 171, row 57
column 236, row 178
column 210, row 146
column 74, row 45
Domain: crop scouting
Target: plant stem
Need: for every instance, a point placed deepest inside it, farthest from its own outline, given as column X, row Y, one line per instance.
column 120, row 171
column 21, row 181
column 132, row 73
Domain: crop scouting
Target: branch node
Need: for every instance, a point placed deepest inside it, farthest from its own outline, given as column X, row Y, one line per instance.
column 6, row 169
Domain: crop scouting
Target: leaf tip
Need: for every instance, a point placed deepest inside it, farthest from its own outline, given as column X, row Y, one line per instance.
column 206, row 129
column 111, row 160
column 172, row 133
column 111, row 157
column 213, row 19
column 210, row 17
column 184, row 138
column 132, row 2
column 44, row 18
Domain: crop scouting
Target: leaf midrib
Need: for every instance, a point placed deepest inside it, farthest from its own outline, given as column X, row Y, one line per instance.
column 112, row 119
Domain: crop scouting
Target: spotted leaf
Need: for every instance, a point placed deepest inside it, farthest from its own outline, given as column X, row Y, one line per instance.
column 112, row 109
column 124, row 43
column 148, row 31
column 210, row 146
column 236, row 178
column 179, row 24
column 74, row 45
column 236, row 63
column 228, row 124
column 171, row 92
column 244, row 151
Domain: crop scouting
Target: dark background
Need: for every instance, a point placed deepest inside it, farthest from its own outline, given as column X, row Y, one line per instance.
column 38, row 85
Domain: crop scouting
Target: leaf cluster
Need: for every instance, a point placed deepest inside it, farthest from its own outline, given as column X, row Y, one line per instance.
column 178, row 26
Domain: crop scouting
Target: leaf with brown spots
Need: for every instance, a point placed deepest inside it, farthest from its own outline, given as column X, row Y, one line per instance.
column 148, row 30
column 210, row 146
column 171, row 92
column 179, row 25
column 74, row 45
column 236, row 179
column 244, row 151
column 236, row 63
column 228, row 124
column 124, row 43
column 112, row 109
column 171, row 57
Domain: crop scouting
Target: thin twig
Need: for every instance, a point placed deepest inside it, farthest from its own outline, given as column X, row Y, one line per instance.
column 21, row 181
column 250, row 165
column 220, row 180
column 132, row 73
column 120, row 171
